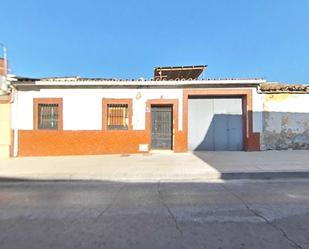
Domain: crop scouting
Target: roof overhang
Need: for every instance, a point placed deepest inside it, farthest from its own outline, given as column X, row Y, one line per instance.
column 84, row 83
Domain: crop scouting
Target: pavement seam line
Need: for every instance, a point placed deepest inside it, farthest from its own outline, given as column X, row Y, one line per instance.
column 284, row 234
column 168, row 209
column 110, row 204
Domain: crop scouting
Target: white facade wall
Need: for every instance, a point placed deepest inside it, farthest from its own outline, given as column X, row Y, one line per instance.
column 286, row 102
column 82, row 108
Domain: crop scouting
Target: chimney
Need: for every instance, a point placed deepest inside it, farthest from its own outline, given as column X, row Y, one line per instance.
column 3, row 67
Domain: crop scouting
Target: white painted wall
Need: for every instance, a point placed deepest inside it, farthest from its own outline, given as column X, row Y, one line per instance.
column 257, row 106
column 285, row 102
column 82, row 108
column 14, row 121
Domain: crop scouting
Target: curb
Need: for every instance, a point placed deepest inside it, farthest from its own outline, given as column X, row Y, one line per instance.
column 265, row 175
column 221, row 177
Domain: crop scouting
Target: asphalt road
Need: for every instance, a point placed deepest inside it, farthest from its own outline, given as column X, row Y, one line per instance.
column 238, row 214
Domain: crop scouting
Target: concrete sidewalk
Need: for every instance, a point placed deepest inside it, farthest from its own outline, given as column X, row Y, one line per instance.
column 199, row 166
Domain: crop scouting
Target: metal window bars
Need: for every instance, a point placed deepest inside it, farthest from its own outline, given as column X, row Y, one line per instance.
column 117, row 117
column 48, row 116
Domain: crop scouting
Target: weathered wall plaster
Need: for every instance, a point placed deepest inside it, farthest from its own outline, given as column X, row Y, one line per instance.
column 285, row 121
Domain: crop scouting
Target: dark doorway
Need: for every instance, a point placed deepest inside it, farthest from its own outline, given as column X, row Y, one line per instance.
column 161, row 127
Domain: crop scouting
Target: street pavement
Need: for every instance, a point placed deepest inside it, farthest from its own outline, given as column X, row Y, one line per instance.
column 117, row 215
column 165, row 166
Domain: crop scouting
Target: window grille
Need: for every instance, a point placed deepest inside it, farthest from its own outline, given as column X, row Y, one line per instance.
column 117, row 117
column 48, row 116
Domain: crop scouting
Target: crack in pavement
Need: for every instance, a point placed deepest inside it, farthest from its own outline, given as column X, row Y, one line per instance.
column 168, row 209
column 77, row 216
column 110, row 204
column 284, row 234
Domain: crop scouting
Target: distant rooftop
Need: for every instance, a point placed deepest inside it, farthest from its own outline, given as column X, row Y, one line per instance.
column 163, row 76
column 175, row 75
column 276, row 87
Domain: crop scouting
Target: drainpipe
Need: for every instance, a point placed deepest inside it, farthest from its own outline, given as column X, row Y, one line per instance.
column 15, row 122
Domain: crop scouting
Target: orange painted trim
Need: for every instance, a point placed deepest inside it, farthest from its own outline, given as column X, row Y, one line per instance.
column 47, row 143
column 105, row 102
column 158, row 102
column 3, row 67
column 12, row 144
column 5, row 99
column 37, row 101
column 251, row 142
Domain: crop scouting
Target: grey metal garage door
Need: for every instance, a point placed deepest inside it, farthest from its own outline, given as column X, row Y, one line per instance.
column 215, row 124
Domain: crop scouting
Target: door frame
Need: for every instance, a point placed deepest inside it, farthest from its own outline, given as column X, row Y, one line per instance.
column 251, row 140
column 170, row 107
column 243, row 115
column 162, row 102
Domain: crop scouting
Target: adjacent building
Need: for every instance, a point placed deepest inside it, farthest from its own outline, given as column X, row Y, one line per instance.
column 5, row 112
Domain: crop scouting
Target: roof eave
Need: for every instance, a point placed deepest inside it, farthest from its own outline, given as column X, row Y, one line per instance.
column 137, row 84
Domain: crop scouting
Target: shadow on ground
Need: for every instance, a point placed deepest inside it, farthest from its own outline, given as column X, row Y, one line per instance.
column 257, row 165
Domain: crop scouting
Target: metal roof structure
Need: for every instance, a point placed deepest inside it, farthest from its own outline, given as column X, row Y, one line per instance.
column 179, row 73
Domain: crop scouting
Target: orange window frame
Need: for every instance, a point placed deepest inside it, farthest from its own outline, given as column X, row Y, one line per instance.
column 106, row 102
column 38, row 101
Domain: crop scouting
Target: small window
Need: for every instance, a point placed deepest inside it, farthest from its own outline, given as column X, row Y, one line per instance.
column 117, row 117
column 48, row 117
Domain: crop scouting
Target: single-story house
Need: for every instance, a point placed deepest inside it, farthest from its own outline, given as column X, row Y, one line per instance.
column 176, row 110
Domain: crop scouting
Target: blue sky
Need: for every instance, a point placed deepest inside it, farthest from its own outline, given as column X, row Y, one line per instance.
column 127, row 38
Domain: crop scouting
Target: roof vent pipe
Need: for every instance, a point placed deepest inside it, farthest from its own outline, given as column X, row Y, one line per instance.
column 3, row 61
column 4, row 84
